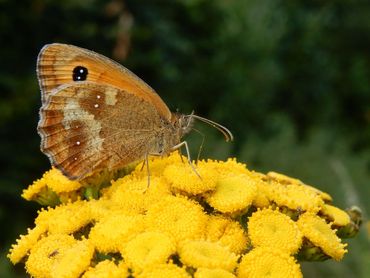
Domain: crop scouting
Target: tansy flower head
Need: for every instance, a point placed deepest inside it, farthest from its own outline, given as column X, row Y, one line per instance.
column 294, row 196
column 317, row 231
column 335, row 215
column 67, row 218
column 164, row 270
column 111, row 232
column 232, row 194
column 179, row 217
column 46, row 189
column 270, row 228
column 25, row 243
column 213, row 273
column 284, row 180
column 133, row 195
column 200, row 253
column 228, row 233
column 46, row 254
column 70, row 265
column 148, row 248
column 107, row 269
column 268, row 262
column 262, row 199
column 225, row 168
column 157, row 165
column 182, row 178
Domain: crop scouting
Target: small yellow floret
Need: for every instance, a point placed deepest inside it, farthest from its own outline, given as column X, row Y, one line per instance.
column 270, row 228
column 74, row 261
column 179, row 217
column 157, row 164
column 235, row 193
column 213, row 273
column 67, row 218
column 336, row 215
column 182, row 178
column 266, row 262
column 200, row 253
column 320, row 234
column 46, row 252
column 148, row 248
column 228, row 233
column 112, row 232
column 107, row 269
column 25, row 243
column 164, row 270
column 284, row 180
column 54, row 180
column 226, row 168
column 262, row 197
column 294, row 196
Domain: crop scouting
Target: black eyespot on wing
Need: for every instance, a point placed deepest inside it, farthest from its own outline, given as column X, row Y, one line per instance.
column 80, row 73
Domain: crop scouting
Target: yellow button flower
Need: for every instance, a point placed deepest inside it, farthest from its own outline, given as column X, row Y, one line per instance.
column 270, row 228
column 226, row 168
column 157, row 165
column 182, row 178
column 180, row 217
column 235, row 193
column 164, row 270
column 54, row 181
column 294, row 196
column 46, row 253
column 213, row 273
column 200, row 253
column 111, row 232
column 266, row 262
column 69, row 265
column 107, row 269
column 25, row 243
column 337, row 216
column 67, row 218
column 228, row 233
column 148, row 248
column 316, row 230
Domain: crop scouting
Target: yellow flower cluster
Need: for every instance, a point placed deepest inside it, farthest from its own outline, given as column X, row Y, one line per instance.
column 229, row 222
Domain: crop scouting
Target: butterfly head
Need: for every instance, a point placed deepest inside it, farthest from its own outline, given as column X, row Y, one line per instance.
column 182, row 123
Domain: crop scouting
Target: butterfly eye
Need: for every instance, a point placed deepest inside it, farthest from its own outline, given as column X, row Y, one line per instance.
column 79, row 73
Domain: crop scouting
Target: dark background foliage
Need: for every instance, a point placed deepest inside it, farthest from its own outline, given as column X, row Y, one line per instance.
column 289, row 78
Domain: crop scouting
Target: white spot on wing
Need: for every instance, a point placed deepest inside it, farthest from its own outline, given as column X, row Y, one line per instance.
column 73, row 112
column 110, row 96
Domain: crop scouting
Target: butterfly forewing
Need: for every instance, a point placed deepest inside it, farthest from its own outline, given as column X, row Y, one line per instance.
column 87, row 126
column 60, row 64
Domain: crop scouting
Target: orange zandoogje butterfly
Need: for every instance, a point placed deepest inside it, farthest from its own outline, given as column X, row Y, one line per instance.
column 96, row 114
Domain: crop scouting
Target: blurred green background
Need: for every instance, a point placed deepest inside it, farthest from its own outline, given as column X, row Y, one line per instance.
column 290, row 79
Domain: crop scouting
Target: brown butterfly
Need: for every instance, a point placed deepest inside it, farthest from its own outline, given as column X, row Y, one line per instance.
column 96, row 114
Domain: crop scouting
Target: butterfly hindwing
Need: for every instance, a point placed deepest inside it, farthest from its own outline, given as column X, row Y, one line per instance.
column 88, row 126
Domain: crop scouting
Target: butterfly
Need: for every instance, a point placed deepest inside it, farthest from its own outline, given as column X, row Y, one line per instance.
column 96, row 114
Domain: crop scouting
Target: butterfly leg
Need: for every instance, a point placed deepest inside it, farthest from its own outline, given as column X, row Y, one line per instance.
column 146, row 162
column 184, row 143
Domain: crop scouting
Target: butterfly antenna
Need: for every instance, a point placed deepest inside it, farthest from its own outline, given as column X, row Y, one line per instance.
column 227, row 133
column 201, row 145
